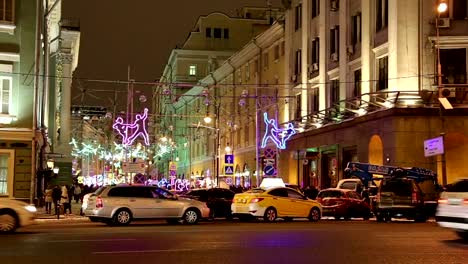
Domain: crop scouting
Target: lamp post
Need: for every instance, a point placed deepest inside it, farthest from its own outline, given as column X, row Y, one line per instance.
column 441, row 8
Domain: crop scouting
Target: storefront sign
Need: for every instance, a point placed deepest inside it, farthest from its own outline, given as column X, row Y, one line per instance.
column 434, row 146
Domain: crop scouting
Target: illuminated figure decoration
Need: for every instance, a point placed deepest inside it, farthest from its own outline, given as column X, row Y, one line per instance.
column 278, row 136
column 130, row 132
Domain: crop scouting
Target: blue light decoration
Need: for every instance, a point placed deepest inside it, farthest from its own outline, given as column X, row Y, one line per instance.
column 278, row 136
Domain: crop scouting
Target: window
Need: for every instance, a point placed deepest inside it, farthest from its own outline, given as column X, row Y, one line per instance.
column 5, row 94
column 298, row 64
column 298, row 17
column 6, row 172
column 7, row 13
column 281, row 192
column 356, row 29
column 334, row 5
column 193, row 70
column 282, row 48
column 334, row 96
column 276, row 52
column 247, row 72
column 314, row 100
column 382, row 82
column 315, row 53
column 298, row 107
column 208, row 32
column 330, row 194
column 460, row 9
column 295, row 195
column 453, row 68
column 335, row 42
column 226, row 33
column 217, row 33
column 265, row 60
column 315, row 8
column 357, row 83
column 381, row 18
column 163, row 194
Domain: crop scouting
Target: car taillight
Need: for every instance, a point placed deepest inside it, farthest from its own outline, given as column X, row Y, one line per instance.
column 99, row 203
column 256, row 200
column 465, row 201
column 414, row 197
column 442, row 201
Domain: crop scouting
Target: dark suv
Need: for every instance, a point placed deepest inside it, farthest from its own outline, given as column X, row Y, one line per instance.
column 400, row 198
column 219, row 200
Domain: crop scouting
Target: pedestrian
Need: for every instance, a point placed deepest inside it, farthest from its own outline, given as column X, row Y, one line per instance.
column 77, row 193
column 56, row 196
column 65, row 200
column 48, row 199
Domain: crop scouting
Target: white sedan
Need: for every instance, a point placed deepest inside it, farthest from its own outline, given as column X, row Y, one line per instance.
column 452, row 209
column 15, row 214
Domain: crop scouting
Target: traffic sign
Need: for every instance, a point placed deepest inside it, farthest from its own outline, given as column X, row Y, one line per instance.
column 228, row 170
column 269, row 170
column 229, row 158
column 434, row 146
column 137, row 167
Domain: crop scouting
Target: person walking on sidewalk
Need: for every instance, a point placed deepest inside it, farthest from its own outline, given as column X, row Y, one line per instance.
column 65, row 200
column 77, row 193
column 48, row 199
column 56, row 196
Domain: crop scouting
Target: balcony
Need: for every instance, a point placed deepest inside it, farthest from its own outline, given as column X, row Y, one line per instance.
column 369, row 103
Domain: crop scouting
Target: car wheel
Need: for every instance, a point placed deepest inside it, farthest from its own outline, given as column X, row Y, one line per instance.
column 463, row 234
column 122, row 217
column 191, row 217
column 270, row 215
column 8, row 222
column 314, row 215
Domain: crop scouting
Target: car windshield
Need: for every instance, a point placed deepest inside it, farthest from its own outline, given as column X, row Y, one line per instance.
column 460, row 186
column 349, row 185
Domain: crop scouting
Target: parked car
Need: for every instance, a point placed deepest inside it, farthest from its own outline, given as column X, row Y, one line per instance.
column 344, row 203
column 119, row 205
column 273, row 203
column 15, row 214
column 452, row 209
column 401, row 198
column 219, row 200
column 353, row 184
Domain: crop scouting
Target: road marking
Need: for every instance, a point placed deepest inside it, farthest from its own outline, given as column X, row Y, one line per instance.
column 144, row 251
column 90, row 240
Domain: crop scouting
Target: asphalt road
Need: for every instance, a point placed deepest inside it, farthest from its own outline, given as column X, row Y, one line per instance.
column 234, row 242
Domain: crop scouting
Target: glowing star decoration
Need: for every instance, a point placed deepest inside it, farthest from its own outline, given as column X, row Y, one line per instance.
column 278, row 136
column 130, row 132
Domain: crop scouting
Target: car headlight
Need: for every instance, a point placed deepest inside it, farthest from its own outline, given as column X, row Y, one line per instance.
column 30, row 208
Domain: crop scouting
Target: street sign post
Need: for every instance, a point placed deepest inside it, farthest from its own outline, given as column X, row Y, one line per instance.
column 228, row 170
column 229, row 159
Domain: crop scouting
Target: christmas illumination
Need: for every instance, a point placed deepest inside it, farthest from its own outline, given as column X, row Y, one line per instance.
column 278, row 136
column 130, row 132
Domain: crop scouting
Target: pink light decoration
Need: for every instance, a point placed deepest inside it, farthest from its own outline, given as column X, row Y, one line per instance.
column 130, row 132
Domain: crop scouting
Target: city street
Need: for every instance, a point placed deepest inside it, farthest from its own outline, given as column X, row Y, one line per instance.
column 234, row 242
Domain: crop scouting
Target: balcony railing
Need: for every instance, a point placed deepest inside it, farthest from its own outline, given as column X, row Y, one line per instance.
column 348, row 109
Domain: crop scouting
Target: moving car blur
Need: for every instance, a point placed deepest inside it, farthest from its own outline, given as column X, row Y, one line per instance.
column 452, row 210
column 15, row 214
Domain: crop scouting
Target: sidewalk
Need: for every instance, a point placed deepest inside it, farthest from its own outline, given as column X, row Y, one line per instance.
column 75, row 215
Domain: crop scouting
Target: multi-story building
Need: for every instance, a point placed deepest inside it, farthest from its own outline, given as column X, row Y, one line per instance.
column 213, row 40
column 26, row 94
column 364, row 74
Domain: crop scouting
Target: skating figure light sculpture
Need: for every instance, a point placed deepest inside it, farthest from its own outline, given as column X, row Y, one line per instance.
column 130, row 132
column 278, row 136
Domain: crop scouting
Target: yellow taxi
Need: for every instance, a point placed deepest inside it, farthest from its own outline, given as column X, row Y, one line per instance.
column 273, row 203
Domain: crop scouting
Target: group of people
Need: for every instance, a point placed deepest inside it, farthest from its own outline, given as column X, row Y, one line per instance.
column 63, row 196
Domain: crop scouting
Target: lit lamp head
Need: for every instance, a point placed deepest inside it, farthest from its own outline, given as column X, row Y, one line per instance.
column 56, row 170
column 50, row 164
column 442, row 7
column 207, row 119
column 228, row 149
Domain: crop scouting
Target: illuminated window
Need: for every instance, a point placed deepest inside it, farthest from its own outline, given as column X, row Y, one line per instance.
column 5, row 94
column 6, row 172
column 192, row 70
column 7, row 13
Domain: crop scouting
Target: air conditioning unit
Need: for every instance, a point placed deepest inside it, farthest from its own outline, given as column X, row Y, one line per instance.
column 334, row 57
column 334, row 5
column 443, row 22
column 350, row 49
column 315, row 67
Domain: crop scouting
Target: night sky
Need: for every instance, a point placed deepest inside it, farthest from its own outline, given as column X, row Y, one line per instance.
column 139, row 33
